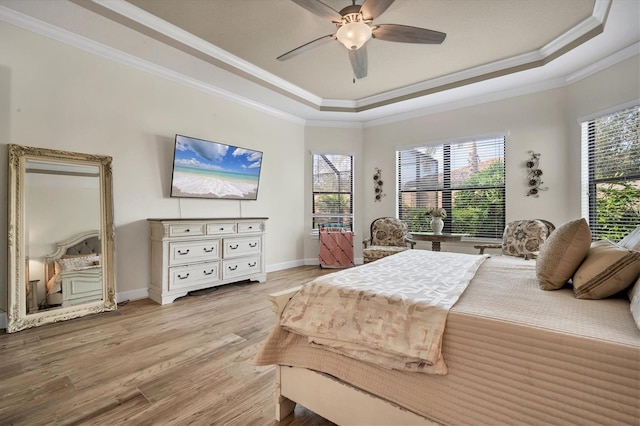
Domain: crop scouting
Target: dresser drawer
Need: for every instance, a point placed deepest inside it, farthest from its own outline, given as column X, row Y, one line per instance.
column 191, row 275
column 238, row 267
column 234, row 247
column 247, row 227
column 221, row 228
column 185, row 230
column 193, row 251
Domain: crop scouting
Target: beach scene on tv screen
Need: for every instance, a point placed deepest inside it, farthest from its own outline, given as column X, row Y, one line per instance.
column 203, row 169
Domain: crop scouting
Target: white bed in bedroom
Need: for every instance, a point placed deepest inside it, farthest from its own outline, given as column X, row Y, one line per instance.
column 73, row 273
column 515, row 354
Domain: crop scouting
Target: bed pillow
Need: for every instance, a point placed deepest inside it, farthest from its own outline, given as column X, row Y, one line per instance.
column 608, row 269
column 632, row 241
column 562, row 253
column 634, row 298
column 74, row 263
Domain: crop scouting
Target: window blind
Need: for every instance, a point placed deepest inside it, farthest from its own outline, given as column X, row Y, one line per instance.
column 611, row 173
column 332, row 190
column 465, row 178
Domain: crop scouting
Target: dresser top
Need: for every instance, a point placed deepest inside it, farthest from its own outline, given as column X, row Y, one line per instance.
column 195, row 219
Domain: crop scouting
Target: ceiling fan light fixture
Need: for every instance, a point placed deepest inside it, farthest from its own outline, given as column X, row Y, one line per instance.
column 354, row 34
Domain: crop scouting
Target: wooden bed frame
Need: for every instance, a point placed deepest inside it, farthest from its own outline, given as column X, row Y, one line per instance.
column 329, row 397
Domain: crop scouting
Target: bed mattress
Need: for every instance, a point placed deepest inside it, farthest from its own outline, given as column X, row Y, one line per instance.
column 516, row 355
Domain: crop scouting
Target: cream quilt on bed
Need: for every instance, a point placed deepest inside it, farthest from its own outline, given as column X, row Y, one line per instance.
column 376, row 314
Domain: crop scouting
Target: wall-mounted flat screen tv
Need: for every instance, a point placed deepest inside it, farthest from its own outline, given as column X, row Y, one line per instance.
column 207, row 169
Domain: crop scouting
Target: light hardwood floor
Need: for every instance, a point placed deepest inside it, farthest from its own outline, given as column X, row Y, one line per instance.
column 189, row 362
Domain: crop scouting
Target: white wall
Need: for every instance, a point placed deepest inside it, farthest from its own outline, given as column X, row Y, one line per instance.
column 333, row 141
column 56, row 96
column 545, row 122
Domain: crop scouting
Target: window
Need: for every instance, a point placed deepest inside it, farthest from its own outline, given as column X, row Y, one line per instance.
column 465, row 178
column 611, row 174
column 332, row 190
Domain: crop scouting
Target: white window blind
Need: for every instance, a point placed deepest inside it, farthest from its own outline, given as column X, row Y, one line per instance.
column 465, row 178
column 611, row 173
column 332, row 190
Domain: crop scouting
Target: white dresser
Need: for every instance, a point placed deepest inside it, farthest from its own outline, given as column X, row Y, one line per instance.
column 192, row 254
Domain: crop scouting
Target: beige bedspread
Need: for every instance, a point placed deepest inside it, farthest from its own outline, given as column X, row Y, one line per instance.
column 515, row 354
column 376, row 314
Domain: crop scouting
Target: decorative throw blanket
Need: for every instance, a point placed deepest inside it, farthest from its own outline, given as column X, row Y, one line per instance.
column 391, row 312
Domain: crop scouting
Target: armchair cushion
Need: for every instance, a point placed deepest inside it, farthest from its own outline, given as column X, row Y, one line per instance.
column 378, row 252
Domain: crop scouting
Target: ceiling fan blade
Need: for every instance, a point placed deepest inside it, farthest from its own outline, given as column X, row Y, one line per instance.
column 407, row 34
column 372, row 9
column 358, row 60
column 308, row 46
column 320, row 9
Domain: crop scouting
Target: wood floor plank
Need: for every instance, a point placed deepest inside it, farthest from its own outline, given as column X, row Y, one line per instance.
column 186, row 363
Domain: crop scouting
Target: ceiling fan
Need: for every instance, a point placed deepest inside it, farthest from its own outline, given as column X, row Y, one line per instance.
column 355, row 28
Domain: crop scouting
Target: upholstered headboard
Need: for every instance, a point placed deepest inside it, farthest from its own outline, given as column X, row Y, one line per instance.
column 85, row 243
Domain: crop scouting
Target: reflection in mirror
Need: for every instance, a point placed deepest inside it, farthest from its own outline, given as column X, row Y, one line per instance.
column 60, row 236
column 60, row 200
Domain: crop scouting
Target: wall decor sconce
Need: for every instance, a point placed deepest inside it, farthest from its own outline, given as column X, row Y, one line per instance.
column 534, row 175
column 377, row 184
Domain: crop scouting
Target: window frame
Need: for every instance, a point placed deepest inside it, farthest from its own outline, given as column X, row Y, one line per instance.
column 350, row 217
column 589, row 179
column 444, row 193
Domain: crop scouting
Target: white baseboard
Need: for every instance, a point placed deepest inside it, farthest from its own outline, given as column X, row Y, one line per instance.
column 137, row 294
column 284, row 265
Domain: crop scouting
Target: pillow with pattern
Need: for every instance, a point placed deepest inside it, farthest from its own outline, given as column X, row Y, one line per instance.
column 75, row 263
column 523, row 237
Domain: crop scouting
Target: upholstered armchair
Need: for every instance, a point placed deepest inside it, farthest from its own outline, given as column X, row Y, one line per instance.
column 522, row 238
column 388, row 236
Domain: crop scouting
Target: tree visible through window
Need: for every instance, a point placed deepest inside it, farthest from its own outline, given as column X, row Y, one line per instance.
column 332, row 190
column 465, row 178
column 611, row 173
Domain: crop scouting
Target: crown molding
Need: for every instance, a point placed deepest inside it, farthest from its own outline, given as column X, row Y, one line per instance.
column 585, row 30
column 29, row 23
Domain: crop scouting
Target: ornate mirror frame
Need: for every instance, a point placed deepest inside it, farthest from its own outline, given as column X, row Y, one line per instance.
column 17, row 316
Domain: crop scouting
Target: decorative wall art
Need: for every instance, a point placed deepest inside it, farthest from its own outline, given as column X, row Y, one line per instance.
column 534, row 175
column 377, row 185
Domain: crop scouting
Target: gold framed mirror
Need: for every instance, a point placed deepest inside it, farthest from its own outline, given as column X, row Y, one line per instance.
column 60, row 236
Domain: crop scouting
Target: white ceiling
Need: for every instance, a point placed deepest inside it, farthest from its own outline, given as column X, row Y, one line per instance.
column 493, row 48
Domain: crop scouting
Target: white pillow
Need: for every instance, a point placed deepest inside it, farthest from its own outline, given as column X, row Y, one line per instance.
column 75, row 263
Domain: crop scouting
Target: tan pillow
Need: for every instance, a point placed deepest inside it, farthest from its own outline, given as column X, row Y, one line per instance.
column 607, row 270
column 634, row 298
column 562, row 253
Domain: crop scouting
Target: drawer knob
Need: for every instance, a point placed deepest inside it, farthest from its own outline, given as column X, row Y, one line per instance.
column 183, row 278
column 251, row 265
column 221, row 229
column 253, row 245
column 180, row 252
column 250, row 227
column 209, row 250
column 208, row 273
column 233, row 268
column 187, row 230
column 233, row 247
